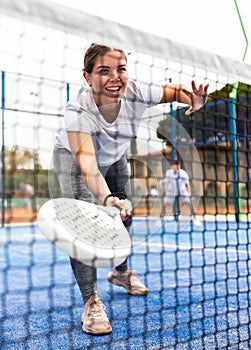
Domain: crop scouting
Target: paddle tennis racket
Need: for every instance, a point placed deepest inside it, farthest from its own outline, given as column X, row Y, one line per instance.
column 92, row 234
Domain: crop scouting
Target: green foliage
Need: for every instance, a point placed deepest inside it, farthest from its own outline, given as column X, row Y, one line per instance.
column 164, row 131
column 229, row 90
column 15, row 180
column 22, row 167
column 211, row 123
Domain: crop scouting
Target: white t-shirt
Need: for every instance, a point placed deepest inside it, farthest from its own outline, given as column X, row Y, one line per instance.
column 110, row 139
column 175, row 185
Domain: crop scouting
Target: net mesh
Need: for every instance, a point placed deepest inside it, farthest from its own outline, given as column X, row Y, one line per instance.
column 198, row 275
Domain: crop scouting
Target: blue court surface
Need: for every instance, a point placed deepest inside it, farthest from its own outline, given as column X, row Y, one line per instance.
column 199, row 281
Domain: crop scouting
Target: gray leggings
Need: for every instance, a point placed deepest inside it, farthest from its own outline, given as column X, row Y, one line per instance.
column 72, row 185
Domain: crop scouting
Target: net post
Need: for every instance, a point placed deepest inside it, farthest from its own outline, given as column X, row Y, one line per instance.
column 173, row 129
column 67, row 92
column 3, row 147
column 233, row 140
column 173, row 152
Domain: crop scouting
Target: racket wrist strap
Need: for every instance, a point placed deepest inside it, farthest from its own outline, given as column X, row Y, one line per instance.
column 120, row 195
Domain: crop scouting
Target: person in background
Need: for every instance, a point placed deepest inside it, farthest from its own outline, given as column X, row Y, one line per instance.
column 29, row 197
column 176, row 190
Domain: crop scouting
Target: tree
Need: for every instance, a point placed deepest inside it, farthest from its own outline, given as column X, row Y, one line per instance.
column 211, row 123
column 18, row 158
column 164, row 130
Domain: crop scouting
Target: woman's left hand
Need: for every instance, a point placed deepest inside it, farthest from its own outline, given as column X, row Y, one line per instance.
column 126, row 209
column 198, row 97
column 124, row 205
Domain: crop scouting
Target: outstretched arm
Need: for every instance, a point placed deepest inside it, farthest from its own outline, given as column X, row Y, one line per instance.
column 84, row 155
column 195, row 98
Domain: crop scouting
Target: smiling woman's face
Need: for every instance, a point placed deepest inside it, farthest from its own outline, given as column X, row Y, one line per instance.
column 109, row 78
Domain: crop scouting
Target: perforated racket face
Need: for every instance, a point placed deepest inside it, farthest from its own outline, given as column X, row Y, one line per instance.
column 92, row 224
column 89, row 233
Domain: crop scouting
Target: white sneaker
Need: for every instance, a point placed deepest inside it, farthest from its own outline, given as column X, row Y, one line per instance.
column 94, row 319
column 129, row 281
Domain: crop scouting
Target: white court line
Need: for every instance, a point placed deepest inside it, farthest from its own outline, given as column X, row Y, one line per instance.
column 193, row 248
column 203, row 218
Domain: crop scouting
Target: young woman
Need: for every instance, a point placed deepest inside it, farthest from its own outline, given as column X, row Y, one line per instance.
column 90, row 155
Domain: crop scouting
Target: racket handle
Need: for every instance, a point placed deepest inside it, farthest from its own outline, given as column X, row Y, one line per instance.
column 111, row 211
column 120, row 195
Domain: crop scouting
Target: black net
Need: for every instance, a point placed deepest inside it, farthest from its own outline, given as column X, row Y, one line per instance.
column 192, row 252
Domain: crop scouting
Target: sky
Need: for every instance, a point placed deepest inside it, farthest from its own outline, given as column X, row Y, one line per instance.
column 210, row 25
